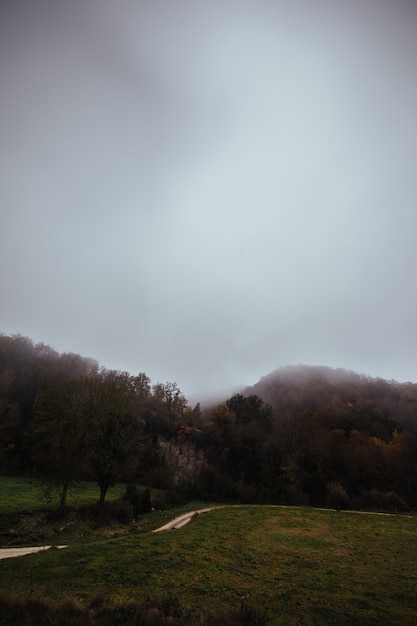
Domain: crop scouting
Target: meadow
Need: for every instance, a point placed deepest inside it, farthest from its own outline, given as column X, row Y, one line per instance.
column 19, row 494
column 288, row 565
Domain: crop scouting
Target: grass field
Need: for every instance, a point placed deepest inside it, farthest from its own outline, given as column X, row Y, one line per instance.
column 298, row 566
column 19, row 494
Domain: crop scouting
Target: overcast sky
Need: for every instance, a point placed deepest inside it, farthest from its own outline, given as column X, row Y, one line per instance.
column 207, row 190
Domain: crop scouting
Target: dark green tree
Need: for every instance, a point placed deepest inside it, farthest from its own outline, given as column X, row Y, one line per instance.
column 59, row 436
column 115, row 427
column 238, row 445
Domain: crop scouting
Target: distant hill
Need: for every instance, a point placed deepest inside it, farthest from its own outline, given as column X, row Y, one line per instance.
column 303, row 374
column 304, row 435
column 340, row 396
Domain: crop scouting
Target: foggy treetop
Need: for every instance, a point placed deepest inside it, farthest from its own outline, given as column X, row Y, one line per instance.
column 301, row 435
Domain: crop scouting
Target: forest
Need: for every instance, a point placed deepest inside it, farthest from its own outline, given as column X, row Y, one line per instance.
column 302, row 435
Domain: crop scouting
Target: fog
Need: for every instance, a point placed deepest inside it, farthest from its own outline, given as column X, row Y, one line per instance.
column 205, row 191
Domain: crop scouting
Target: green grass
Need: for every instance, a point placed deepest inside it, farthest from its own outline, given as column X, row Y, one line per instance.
column 302, row 566
column 20, row 494
column 28, row 519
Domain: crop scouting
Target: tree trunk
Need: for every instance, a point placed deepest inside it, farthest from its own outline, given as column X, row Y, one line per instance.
column 63, row 500
column 103, row 490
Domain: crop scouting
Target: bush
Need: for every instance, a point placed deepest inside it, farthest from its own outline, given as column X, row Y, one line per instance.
column 390, row 501
column 245, row 615
column 337, row 497
column 214, row 484
column 102, row 611
column 108, row 513
column 39, row 612
column 141, row 502
column 395, row 503
column 377, row 500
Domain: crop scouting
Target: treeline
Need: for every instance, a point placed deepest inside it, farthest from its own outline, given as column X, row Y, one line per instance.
column 313, row 436
column 342, row 440
column 310, row 436
column 64, row 419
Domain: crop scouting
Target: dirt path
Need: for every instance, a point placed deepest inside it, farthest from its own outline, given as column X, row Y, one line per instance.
column 183, row 519
column 178, row 522
column 9, row 553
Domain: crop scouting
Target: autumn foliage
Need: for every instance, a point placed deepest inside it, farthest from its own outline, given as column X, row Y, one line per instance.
column 302, row 435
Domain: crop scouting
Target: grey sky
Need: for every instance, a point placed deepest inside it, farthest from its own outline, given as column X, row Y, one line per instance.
column 205, row 191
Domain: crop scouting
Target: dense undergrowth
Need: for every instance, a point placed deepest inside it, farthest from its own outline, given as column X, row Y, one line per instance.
column 33, row 611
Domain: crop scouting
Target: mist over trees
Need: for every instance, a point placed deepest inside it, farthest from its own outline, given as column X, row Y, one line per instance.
column 343, row 439
column 301, row 435
column 63, row 419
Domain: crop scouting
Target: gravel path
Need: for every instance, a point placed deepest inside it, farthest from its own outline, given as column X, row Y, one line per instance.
column 178, row 522
column 9, row 553
column 183, row 519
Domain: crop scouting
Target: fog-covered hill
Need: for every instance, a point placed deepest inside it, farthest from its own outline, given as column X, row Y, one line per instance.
column 301, row 435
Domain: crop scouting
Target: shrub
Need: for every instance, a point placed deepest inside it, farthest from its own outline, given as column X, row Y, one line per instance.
column 377, row 500
column 390, row 501
column 107, row 513
column 395, row 503
column 102, row 611
column 337, row 496
column 140, row 502
column 39, row 612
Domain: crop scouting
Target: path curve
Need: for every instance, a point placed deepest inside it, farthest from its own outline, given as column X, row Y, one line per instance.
column 183, row 519
column 177, row 522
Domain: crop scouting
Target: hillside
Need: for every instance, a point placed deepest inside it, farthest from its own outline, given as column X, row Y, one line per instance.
column 283, row 566
column 342, row 439
column 351, row 399
column 301, row 435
